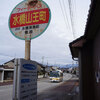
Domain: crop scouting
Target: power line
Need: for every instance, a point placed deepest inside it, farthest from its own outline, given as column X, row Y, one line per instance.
column 63, row 13
column 74, row 14
column 71, row 16
column 70, row 10
column 66, row 14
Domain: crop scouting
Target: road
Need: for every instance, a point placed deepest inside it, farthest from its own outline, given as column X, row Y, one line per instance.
column 6, row 92
column 45, row 83
column 66, row 90
column 46, row 90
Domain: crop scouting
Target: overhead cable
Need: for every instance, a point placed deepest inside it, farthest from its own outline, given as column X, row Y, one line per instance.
column 63, row 13
column 71, row 16
column 66, row 14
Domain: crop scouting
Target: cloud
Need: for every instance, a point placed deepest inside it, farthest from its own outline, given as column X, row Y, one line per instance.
column 52, row 44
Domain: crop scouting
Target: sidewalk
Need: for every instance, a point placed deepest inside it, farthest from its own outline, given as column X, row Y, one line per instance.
column 6, row 83
column 74, row 94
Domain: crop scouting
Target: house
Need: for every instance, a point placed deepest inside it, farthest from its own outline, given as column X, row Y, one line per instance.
column 6, row 73
column 87, row 50
column 7, row 70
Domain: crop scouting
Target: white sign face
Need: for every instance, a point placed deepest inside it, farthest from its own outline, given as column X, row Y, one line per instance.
column 29, row 19
column 25, row 80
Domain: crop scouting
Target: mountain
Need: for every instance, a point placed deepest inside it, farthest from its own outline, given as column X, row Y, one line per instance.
column 66, row 66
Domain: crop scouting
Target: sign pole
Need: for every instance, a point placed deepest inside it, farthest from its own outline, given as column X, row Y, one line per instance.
column 28, row 20
column 27, row 49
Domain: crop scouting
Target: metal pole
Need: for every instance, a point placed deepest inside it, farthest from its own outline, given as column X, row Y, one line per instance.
column 27, row 49
column 16, row 79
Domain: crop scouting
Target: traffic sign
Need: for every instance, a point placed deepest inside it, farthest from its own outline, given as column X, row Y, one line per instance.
column 29, row 19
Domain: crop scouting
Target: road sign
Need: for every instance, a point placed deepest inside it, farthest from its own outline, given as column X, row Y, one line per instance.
column 25, row 80
column 29, row 19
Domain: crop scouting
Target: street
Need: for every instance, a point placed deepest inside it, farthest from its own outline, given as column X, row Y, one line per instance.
column 45, row 83
column 6, row 92
column 47, row 90
column 66, row 90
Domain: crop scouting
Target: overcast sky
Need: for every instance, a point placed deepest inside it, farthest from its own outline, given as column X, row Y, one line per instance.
column 52, row 45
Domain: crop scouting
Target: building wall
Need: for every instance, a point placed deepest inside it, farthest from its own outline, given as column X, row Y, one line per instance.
column 1, row 76
column 86, row 72
column 97, row 65
column 39, row 68
column 10, row 64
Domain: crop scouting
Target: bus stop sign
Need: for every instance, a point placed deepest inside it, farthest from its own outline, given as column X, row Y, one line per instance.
column 29, row 19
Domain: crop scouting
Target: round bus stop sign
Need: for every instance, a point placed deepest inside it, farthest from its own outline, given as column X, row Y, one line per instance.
column 29, row 19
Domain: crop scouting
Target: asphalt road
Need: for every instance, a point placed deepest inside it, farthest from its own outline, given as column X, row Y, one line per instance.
column 45, row 83
column 66, row 90
column 45, row 89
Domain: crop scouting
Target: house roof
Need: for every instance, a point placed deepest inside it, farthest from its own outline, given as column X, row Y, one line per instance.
column 93, row 21
column 75, row 45
column 10, row 61
column 91, row 30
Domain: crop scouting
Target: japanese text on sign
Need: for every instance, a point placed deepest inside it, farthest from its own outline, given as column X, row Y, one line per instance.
column 29, row 18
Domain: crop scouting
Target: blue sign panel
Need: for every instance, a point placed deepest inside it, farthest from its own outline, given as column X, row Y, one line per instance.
column 25, row 80
column 29, row 66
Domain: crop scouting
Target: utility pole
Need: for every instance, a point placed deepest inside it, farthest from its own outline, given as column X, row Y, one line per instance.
column 47, row 62
column 42, row 60
column 43, row 67
column 47, row 68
